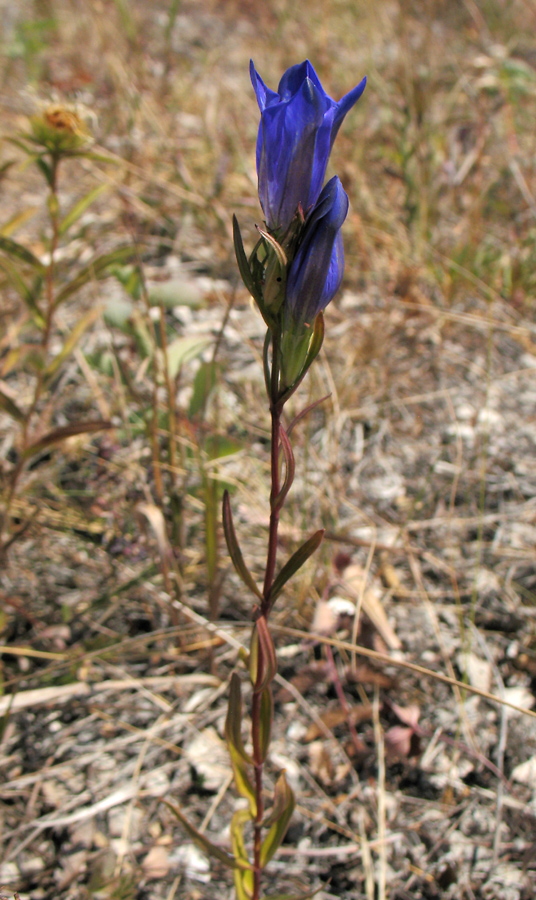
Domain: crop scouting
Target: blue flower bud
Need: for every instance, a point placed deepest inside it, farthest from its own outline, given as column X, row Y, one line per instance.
column 298, row 126
column 315, row 274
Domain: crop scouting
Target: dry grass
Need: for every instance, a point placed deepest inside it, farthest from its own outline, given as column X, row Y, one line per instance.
column 420, row 464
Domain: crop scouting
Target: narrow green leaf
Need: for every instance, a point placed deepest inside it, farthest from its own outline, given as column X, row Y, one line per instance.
column 97, row 268
column 18, row 251
column 295, row 562
column 81, row 326
column 243, row 782
column 234, row 719
column 266, row 719
column 10, row 407
column 273, row 839
column 80, row 207
column 243, row 876
column 200, row 839
column 240, row 887
column 234, row 550
column 61, row 434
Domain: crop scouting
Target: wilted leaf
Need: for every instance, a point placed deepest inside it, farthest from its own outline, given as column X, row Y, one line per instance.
column 61, row 434
column 156, row 520
column 262, row 656
column 289, row 469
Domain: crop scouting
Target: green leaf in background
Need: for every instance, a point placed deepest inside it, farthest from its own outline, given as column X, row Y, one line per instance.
column 17, row 220
column 217, row 446
column 295, row 562
column 10, row 407
column 81, row 326
column 234, row 550
column 28, row 295
column 176, row 292
column 183, row 349
column 200, row 839
column 18, row 251
column 96, row 269
column 284, row 803
column 205, row 381
column 118, row 312
column 79, row 208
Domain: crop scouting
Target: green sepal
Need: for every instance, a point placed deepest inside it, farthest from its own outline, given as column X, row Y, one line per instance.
column 284, row 802
column 201, row 840
column 266, row 719
column 250, row 282
column 234, row 550
column 295, row 562
column 234, row 719
column 313, row 349
column 262, row 657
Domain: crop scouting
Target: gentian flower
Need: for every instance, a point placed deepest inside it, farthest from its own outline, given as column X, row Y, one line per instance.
column 298, row 126
column 315, row 274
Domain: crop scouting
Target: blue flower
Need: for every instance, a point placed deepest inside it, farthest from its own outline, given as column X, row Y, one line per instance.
column 298, row 126
column 315, row 274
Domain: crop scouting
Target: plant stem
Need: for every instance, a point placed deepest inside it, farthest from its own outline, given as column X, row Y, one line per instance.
column 271, row 559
